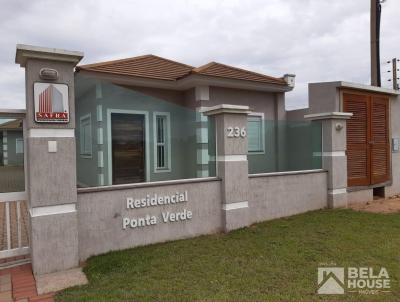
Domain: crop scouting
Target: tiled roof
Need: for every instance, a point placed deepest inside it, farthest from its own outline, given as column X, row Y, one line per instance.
column 148, row 66
column 154, row 67
column 14, row 124
column 225, row 71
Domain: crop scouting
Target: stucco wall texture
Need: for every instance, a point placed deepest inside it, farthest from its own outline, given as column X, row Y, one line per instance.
column 100, row 213
column 284, row 195
column 394, row 188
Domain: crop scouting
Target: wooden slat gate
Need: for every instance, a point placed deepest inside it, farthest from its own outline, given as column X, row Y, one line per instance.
column 14, row 229
column 14, row 218
column 368, row 145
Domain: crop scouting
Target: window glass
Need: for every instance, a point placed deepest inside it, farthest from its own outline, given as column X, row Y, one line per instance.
column 161, row 134
column 19, row 146
column 255, row 134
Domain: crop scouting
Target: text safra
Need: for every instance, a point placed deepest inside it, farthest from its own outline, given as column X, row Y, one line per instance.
column 152, row 220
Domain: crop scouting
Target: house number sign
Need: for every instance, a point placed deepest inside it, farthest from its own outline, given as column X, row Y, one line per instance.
column 236, row 132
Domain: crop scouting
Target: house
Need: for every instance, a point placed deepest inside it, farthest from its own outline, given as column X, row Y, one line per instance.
column 139, row 119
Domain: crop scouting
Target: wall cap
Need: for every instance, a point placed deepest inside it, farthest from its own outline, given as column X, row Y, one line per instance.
column 147, row 184
column 226, row 108
column 13, row 113
column 357, row 86
column 25, row 52
column 328, row 116
column 287, row 173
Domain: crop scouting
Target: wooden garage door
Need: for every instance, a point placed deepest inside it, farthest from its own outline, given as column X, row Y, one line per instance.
column 380, row 145
column 367, row 139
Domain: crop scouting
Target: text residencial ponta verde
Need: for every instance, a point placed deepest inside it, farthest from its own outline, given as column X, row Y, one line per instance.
column 155, row 201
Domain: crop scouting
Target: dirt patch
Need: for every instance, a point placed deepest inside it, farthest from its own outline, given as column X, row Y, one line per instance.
column 388, row 205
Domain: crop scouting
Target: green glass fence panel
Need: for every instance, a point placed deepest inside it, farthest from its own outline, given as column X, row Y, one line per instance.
column 12, row 178
column 133, row 135
column 287, row 146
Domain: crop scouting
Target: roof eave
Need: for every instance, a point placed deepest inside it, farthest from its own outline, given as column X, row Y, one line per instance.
column 130, row 80
column 187, row 82
column 196, row 80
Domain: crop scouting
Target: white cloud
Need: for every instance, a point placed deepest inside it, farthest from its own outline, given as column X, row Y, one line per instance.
column 319, row 40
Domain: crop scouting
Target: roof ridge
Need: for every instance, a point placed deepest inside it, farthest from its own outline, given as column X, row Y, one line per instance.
column 106, row 63
column 205, row 66
column 238, row 69
column 172, row 61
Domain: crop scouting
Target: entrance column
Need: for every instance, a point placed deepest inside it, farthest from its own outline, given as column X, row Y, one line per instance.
column 334, row 159
column 51, row 156
column 232, row 164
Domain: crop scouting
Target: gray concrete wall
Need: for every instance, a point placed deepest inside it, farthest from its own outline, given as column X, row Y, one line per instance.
column 100, row 216
column 323, row 97
column 54, row 242
column 360, row 196
column 278, row 196
column 297, row 115
column 394, row 188
column 258, row 101
column 46, row 170
column 100, row 213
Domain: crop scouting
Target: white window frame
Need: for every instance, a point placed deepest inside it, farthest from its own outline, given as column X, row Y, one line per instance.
column 260, row 115
column 21, row 142
column 81, row 134
column 167, row 144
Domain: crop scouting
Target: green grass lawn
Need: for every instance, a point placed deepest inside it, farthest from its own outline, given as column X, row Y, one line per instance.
column 271, row 261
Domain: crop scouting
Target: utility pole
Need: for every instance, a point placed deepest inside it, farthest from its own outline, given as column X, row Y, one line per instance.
column 375, row 33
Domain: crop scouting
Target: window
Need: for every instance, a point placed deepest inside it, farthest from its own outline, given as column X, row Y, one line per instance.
column 86, row 135
column 255, row 134
column 162, row 142
column 19, row 146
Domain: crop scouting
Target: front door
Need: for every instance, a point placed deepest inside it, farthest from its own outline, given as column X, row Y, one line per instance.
column 368, row 146
column 128, row 148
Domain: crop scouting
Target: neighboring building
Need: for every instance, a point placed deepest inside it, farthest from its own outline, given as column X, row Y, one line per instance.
column 11, row 143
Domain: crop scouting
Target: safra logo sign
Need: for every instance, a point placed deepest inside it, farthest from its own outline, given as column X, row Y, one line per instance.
column 362, row 280
column 51, row 103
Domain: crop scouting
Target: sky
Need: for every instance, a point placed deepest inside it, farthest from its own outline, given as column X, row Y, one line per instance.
column 318, row 40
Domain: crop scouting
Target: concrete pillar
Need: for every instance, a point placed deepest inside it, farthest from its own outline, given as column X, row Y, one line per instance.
column 51, row 162
column 334, row 158
column 232, row 165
